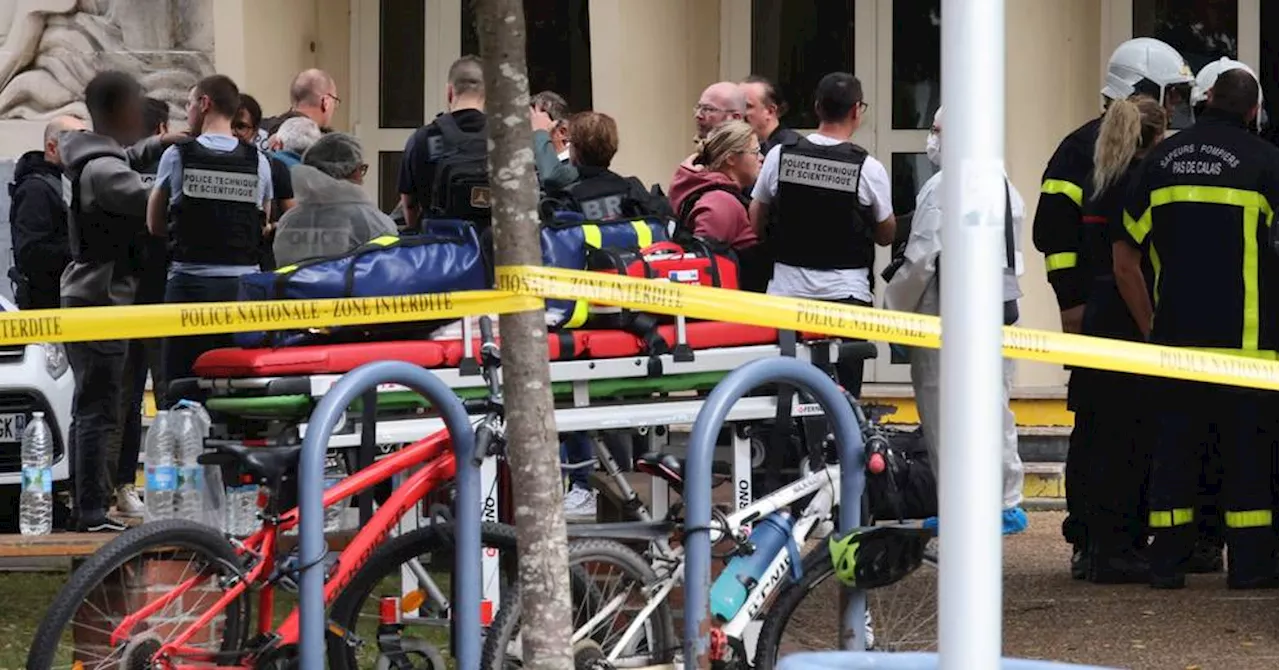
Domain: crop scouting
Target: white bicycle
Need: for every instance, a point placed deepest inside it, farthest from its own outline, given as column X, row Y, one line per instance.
column 622, row 609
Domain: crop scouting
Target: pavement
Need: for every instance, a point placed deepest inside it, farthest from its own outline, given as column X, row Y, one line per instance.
column 1047, row 615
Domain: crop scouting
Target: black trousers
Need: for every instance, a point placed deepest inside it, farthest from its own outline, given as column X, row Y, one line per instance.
column 1199, row 427
column 95, row 418
column 1121, row 437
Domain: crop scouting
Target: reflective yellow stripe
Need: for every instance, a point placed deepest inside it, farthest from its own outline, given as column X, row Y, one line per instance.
column 384, row 241
column 286, row 269
column 591, row 236
column 1170, row 518
column 644, row 236
column 1063, row 187
column 1060, row 261
column 1254, row 518
column 579, row 316
column 1254, row 208
column 1139, row 229
column 1155, row 271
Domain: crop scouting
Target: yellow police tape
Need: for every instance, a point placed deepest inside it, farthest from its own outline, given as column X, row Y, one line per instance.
column 883, row 325
column 143, row 321
column 522, row 288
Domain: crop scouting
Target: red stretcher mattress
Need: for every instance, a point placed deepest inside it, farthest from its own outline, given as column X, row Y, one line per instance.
column 561, row 346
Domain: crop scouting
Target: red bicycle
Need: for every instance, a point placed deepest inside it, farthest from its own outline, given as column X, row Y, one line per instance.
column 175, row 594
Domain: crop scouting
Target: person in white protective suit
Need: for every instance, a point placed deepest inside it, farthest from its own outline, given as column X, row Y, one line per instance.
column 914, row 288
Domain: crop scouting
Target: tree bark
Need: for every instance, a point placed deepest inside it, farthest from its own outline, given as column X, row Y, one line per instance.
column 530, row 412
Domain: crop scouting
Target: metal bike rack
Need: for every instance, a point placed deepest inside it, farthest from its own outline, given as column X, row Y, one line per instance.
column 327, row 414
column 697, row 489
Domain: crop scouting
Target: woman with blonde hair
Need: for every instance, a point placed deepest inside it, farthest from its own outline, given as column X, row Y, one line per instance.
column 1118, row 307
column 708, row 197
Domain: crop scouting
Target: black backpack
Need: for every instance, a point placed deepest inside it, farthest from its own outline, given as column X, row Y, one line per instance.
column 461, row 186
column 638, row 202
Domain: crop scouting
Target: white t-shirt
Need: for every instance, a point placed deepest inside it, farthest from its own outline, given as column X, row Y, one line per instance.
column 873, row 192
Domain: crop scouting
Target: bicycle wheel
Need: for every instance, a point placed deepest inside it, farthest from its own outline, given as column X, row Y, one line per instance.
column 805, row 616
column 609, row 587
column 147, row 561
column 425, row 638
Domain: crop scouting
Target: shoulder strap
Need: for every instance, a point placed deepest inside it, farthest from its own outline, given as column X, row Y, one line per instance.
column 691, row 201
column 1009, row 251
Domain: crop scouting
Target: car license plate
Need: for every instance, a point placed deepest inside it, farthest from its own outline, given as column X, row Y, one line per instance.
column 11, row 427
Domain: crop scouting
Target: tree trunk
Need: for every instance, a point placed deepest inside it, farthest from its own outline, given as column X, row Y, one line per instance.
column 530, row 412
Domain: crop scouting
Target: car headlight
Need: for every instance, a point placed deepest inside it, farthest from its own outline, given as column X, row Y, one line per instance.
column 55, row 359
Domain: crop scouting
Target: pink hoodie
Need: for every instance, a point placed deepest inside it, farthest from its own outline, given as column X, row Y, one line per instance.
column 718, row 215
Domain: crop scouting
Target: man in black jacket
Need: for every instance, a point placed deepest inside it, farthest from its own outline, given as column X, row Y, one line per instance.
column 38, row 217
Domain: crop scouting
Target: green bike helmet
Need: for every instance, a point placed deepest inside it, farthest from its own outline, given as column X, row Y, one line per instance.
column 875, row 556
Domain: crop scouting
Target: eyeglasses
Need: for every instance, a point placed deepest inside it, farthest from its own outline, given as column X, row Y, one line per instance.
column 334, row 97
column 862, row 107
column 699, row 110
column 363, row 169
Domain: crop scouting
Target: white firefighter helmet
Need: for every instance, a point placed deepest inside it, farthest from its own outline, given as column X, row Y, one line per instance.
column 1145, row 58
column 1208, row 76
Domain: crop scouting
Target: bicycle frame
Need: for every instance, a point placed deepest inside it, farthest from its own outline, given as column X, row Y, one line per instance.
column 820, row 484
column 433, row 452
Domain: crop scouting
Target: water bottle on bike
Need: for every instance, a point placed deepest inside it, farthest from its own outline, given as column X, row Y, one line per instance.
column 729, row 592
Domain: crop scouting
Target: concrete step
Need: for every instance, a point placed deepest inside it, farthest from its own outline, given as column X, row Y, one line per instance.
column 1044, row 485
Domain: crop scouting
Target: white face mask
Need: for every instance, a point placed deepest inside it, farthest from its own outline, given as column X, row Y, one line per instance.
column 933, row 149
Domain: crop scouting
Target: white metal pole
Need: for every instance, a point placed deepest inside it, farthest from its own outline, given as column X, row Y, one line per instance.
column 970, row 497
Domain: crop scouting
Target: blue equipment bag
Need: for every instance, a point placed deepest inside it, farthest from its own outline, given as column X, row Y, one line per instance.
column 447, row 257
column 568, row 240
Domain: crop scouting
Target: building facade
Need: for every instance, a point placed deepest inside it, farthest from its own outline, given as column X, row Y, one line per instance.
column 645, row 62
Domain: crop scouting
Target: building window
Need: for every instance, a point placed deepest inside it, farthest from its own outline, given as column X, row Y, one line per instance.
column 910, row 172
column 558, row 47
column 388, row 179
column 401, row 65
column 1201, row 30
column 795, row 43
column 917, row 63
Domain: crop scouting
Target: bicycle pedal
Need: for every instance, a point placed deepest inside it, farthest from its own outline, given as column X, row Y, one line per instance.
column 348, row 638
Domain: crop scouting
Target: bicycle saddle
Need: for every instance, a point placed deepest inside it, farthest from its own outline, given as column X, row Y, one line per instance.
column 671, row 469
column 263, row 463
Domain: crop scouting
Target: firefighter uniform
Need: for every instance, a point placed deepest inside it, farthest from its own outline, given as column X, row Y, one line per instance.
column 1057, row 233
column 1203, row 210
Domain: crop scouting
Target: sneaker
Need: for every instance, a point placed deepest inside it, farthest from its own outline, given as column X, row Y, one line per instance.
column 128, row 502
column 103, row 524
column 1012, row 522
column 580, row 503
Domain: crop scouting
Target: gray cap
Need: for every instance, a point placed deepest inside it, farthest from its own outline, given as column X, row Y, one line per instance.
column 335, row 154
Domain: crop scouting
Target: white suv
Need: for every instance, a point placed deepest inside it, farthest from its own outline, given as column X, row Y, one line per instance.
column 33, row 377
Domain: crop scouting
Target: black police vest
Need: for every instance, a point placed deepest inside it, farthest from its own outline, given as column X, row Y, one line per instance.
column 97, row 237
column 602, row 195
column 822, row 225
column 217, row 220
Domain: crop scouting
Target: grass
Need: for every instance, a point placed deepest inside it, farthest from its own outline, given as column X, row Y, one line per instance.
column 24, row 597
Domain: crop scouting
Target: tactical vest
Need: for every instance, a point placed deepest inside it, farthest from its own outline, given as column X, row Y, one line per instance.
column 218, row 219
column 97, row 237
column 822, row 225
column 603, row 195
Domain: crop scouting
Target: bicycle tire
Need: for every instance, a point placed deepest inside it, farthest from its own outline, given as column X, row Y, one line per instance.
column 387, row 560
column 506, row 624
column 817, row 570
column 169, row 533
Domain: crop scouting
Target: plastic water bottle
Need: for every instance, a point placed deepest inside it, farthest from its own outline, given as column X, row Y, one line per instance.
column 162, row 469
column 740, row 576
column 190, row 444
column 335, row 470
column 35, row 516
column 242, row 508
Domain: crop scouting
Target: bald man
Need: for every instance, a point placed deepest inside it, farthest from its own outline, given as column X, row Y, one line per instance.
column 38, row 219
column 719, row 102
column 313, row 94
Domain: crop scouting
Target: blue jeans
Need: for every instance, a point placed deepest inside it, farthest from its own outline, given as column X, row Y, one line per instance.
column 576, row 448
column 179, row 354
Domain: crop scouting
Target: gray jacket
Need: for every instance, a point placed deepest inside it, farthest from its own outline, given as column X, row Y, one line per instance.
column 331, row 217
column 109, row 184
column 554, row 173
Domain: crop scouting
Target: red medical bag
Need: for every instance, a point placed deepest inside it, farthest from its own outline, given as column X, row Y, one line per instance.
column 694, row 262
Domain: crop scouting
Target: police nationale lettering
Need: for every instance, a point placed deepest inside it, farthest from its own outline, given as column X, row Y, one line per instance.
column 218, row 185
column 818, row 172
column 302, row 310
column 26, row 329
column 1195, row 362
